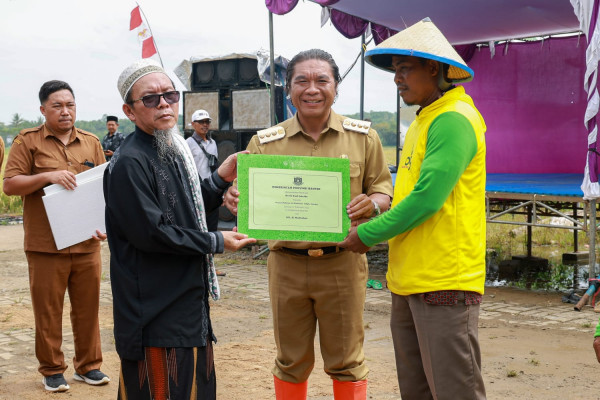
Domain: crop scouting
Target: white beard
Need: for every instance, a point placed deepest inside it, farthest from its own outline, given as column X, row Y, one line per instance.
column 163, row 141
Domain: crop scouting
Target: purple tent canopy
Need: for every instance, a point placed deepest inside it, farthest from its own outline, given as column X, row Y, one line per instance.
column 348, row 25
column 468, row 21
column 462, row 21
column 473, row 21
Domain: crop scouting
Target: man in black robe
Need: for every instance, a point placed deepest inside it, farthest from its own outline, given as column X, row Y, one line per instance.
column 161, row 252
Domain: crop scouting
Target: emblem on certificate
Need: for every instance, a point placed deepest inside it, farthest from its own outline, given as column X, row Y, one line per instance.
column 293, row 197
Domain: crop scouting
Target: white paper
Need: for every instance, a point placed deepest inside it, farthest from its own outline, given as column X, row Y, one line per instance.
column 75, row 215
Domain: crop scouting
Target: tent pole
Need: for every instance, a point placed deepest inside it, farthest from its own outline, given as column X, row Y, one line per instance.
column 272, row 66
column 362, row 77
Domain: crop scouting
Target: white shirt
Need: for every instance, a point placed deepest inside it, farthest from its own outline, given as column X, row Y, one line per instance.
column 199, row 158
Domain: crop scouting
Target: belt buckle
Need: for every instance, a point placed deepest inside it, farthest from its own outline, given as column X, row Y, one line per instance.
column 315, row 252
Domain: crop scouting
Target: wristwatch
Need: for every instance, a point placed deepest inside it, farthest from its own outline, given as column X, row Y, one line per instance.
column 376, row 209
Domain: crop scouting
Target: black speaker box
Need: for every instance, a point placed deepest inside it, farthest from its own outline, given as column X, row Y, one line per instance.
column 203, row 75
column 225, row 74
column 229, row 142
column 248, row 73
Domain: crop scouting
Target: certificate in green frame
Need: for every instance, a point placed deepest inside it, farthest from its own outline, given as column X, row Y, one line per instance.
column 293, row 197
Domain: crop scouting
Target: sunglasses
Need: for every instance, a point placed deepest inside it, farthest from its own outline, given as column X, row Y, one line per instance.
column 152, row 100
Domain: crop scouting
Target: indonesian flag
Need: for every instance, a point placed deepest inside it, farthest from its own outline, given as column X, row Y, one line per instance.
column 143, row 33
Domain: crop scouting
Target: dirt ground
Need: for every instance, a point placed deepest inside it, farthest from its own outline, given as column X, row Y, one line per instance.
column 521, row 358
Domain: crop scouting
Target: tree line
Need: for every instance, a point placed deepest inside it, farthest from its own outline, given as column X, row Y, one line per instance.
column 97, row 127
column 383, row 122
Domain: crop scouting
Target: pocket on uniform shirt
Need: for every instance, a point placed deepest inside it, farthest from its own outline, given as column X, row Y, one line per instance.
column 354, row 170
column 355, row 179
column 44, row 163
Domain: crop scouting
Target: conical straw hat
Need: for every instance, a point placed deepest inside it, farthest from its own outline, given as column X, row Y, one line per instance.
column 425, row 40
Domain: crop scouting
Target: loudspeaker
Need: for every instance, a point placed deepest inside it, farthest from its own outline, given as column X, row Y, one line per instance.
column 203, row 75
column 251, row 108
column 207, row 100
column 248, row 73
column 229, row 142
column 244, row 138
column 229, row 73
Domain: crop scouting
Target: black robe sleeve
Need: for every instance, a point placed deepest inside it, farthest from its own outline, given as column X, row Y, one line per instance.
column 131, row 195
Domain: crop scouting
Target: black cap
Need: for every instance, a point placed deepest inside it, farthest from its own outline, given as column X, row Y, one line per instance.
column 112, row 118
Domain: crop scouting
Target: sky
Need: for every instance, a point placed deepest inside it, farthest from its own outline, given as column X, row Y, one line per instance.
column 88, row 44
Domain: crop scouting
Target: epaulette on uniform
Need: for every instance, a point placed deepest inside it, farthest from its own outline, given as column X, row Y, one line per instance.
column 26, row 131
column 270, row 134
column 86, row 133
column 357, row 125
column 30, row 130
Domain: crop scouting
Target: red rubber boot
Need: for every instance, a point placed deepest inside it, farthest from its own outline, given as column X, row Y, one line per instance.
column 350, row 390
column 290, row 391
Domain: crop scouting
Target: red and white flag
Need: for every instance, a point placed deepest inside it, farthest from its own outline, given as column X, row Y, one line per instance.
column 143, row 33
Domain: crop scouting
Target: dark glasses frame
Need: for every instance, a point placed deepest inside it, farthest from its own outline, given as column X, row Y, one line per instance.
column 152, row 100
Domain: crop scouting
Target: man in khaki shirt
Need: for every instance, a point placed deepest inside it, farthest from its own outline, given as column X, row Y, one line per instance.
column 54, row 153
column 319, row 281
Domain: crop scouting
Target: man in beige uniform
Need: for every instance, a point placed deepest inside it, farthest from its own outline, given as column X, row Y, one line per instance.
column 319, row 281
column 54, row 153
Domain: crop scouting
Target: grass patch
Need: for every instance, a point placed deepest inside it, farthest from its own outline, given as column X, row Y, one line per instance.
column 550, row 243
column 7, row 317
column 389, row 153
column 534, row 362
column 505, row 241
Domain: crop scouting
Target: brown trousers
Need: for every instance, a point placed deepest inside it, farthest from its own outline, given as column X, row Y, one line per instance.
column 50, row 276
column 331, row 290
column 437, row 349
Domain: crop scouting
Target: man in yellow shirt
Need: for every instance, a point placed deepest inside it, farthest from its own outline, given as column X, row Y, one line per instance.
column 436, row 226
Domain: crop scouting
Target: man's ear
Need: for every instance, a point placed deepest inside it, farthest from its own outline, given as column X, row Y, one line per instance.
column 434, row 67
column 127, row 109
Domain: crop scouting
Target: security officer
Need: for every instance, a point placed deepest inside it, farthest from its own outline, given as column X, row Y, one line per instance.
column 319, row 281
column 113, row 138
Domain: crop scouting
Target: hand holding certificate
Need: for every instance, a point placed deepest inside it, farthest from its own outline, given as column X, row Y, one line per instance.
column 293, row 198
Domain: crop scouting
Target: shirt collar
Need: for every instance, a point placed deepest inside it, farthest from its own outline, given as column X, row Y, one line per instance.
column 334, row 123
column 46, row 131
column 143, row 135
column 198, row 137
column 450, row 95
